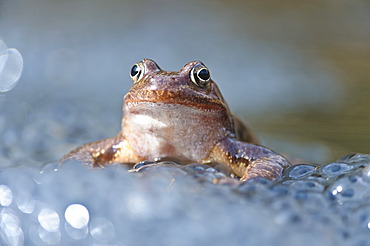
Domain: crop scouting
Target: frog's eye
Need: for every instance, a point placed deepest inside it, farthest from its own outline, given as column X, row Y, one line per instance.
column 137, row 72
column 200, row 76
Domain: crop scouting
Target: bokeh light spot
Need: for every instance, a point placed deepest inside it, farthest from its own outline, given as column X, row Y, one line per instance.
column 49, row 220
column 6, row 195
column 11, row 67
column 77, row 215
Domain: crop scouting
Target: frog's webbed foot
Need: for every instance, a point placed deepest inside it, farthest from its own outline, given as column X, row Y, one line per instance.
column 248, row 160
column 102, row 152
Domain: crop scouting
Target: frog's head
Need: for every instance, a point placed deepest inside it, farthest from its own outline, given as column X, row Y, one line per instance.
column 192, row 86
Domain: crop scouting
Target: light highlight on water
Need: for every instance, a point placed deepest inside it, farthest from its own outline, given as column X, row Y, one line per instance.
column 77, row 216
column 49, row 220
column 6, row 196
column 11, row 67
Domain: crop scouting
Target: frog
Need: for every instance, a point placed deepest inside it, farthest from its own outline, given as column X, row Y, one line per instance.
column 181, row 115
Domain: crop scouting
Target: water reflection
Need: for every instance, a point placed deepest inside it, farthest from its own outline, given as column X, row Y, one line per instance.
column 76, row 233
column 6, row 195
column 10, row 226
column 337, row 190
column 138, row 206
column 49, row 220
column 102, row 229
column 77, row 216
column 49, row 237
column 11, row 66
column 26, row 204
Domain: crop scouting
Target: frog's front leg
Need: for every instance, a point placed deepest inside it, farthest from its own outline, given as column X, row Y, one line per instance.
column 248, row 160
column 104, row 152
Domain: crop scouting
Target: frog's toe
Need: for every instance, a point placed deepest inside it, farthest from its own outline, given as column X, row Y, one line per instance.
column 269, row 167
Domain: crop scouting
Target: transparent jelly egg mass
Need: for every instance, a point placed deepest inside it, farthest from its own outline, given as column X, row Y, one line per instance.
column 11, row 66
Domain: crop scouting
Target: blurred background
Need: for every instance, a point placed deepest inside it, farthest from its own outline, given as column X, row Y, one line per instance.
column 297, row 72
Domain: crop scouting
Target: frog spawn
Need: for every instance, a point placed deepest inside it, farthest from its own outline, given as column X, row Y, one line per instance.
column 11, row 66
column 190, row 204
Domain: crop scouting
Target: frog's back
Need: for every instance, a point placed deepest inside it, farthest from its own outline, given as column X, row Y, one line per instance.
column 243, row 132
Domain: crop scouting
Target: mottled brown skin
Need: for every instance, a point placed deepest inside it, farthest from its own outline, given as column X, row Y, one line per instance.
column 172, row 114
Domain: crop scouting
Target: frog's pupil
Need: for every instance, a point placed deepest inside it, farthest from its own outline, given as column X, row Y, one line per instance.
column 134, row 70
column 204, row 74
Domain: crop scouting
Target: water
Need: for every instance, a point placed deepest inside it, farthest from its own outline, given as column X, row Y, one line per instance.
column 168, row 204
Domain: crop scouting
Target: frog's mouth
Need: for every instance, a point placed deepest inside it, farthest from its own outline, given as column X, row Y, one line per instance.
column 192, row 100
column 195, row 105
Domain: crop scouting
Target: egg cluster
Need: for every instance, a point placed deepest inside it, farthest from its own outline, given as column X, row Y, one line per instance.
column 163, row 203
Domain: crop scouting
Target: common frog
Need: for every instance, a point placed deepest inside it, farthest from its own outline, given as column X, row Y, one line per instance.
column 181, row 115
